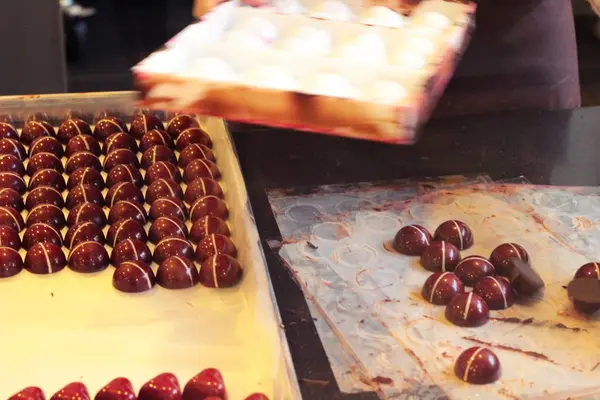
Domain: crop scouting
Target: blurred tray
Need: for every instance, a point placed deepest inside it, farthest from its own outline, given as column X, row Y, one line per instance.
column 76, row 327
column 386, row 100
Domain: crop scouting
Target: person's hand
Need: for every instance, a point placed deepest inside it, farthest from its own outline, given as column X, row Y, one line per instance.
column 201, row 7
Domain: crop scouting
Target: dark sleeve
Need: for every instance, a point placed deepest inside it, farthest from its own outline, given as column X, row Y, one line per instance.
column 523, row 55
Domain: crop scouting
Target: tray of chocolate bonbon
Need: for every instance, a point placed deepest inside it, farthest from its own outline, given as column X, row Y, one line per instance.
column 448, row 292
column 127, row 248
column 323, row 66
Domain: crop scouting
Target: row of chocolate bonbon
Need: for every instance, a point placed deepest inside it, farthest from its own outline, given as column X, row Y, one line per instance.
column 206, row 385
column 124, row 198
column 494, row 283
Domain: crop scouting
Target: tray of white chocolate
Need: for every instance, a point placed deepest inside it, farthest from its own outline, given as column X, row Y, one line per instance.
column 330, row 67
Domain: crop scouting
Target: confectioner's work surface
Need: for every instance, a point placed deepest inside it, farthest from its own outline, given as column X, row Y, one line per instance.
column 329, row 66
column 128, row 255
column 463, row 291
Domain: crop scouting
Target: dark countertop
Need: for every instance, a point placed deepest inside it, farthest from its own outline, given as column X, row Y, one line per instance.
column 558, row 148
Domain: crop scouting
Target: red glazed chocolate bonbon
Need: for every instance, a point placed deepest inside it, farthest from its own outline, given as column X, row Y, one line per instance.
column 208, row 382
column 455, row 232
column 584, row 293
column 45, row 258
column 133, row 277
column 30, row 393
column 124, row 173
column 120, row 157
column 11, row 262
column 117, row 389
column 124, row 191
column 73, row 391
column 502, row 257
column 120, row 140
column 7, row 130
column 202, row 187
column 156, row 137
column 200, row 168
column 84, row 194
column 82, row 159
column 107, row 126
column 143, row 123
column 472, row 268
column 125, row 229
column 39, row 233
column 215, row 244
column 440, row 256
column 126, row 209
column 48, row 177
column 164, row 227
column 11, row 198
column 170, row 207
column 9, row 163
column 172, row 246
column 477, row 365
column 130, row 250
column 467, row 309
column 44, row 195
column 206, row 226
column 496, row 291
column 46, row 144
column 163, row 188
column 88, row 257
column 163, row 386
column 42, row 161
column 589, row 270
column 11, row 218
column 193, row 136
column 162, row 170
column 13, row 147
column 82, row 143
column 193, row 152
column 84, row 232
column 257, row 396
column 177, row 273
column 440, row 288
column 220, row 271
column 11, row 180
column 35, row 129
column 180, row 123
column 86, row 176
column 209, row 206
column 71, row 128
column 9, row 237
column 158, row 153
column 47, row 213
column 412, row 240
column 87, row 212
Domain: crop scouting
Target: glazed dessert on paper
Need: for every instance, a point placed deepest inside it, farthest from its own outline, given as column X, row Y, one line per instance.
column 325, row 66
column 457, row 287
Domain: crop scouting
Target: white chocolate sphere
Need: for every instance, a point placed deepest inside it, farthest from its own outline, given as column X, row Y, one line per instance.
column 409, row 59
column 436, row 20
column 271, row 77
column 259, row 27
column 212, row 69
column 387, row 92
column 240, row 39
column 382, row 16
column 332, row 9
column 329, row 84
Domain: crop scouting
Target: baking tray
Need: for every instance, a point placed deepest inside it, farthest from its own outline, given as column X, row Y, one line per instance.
column 402, row 346
column 418, row 57
column 76, row 327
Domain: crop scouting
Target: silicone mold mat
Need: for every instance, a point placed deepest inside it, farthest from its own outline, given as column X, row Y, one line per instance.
column 76, row 327
column 397, row 343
